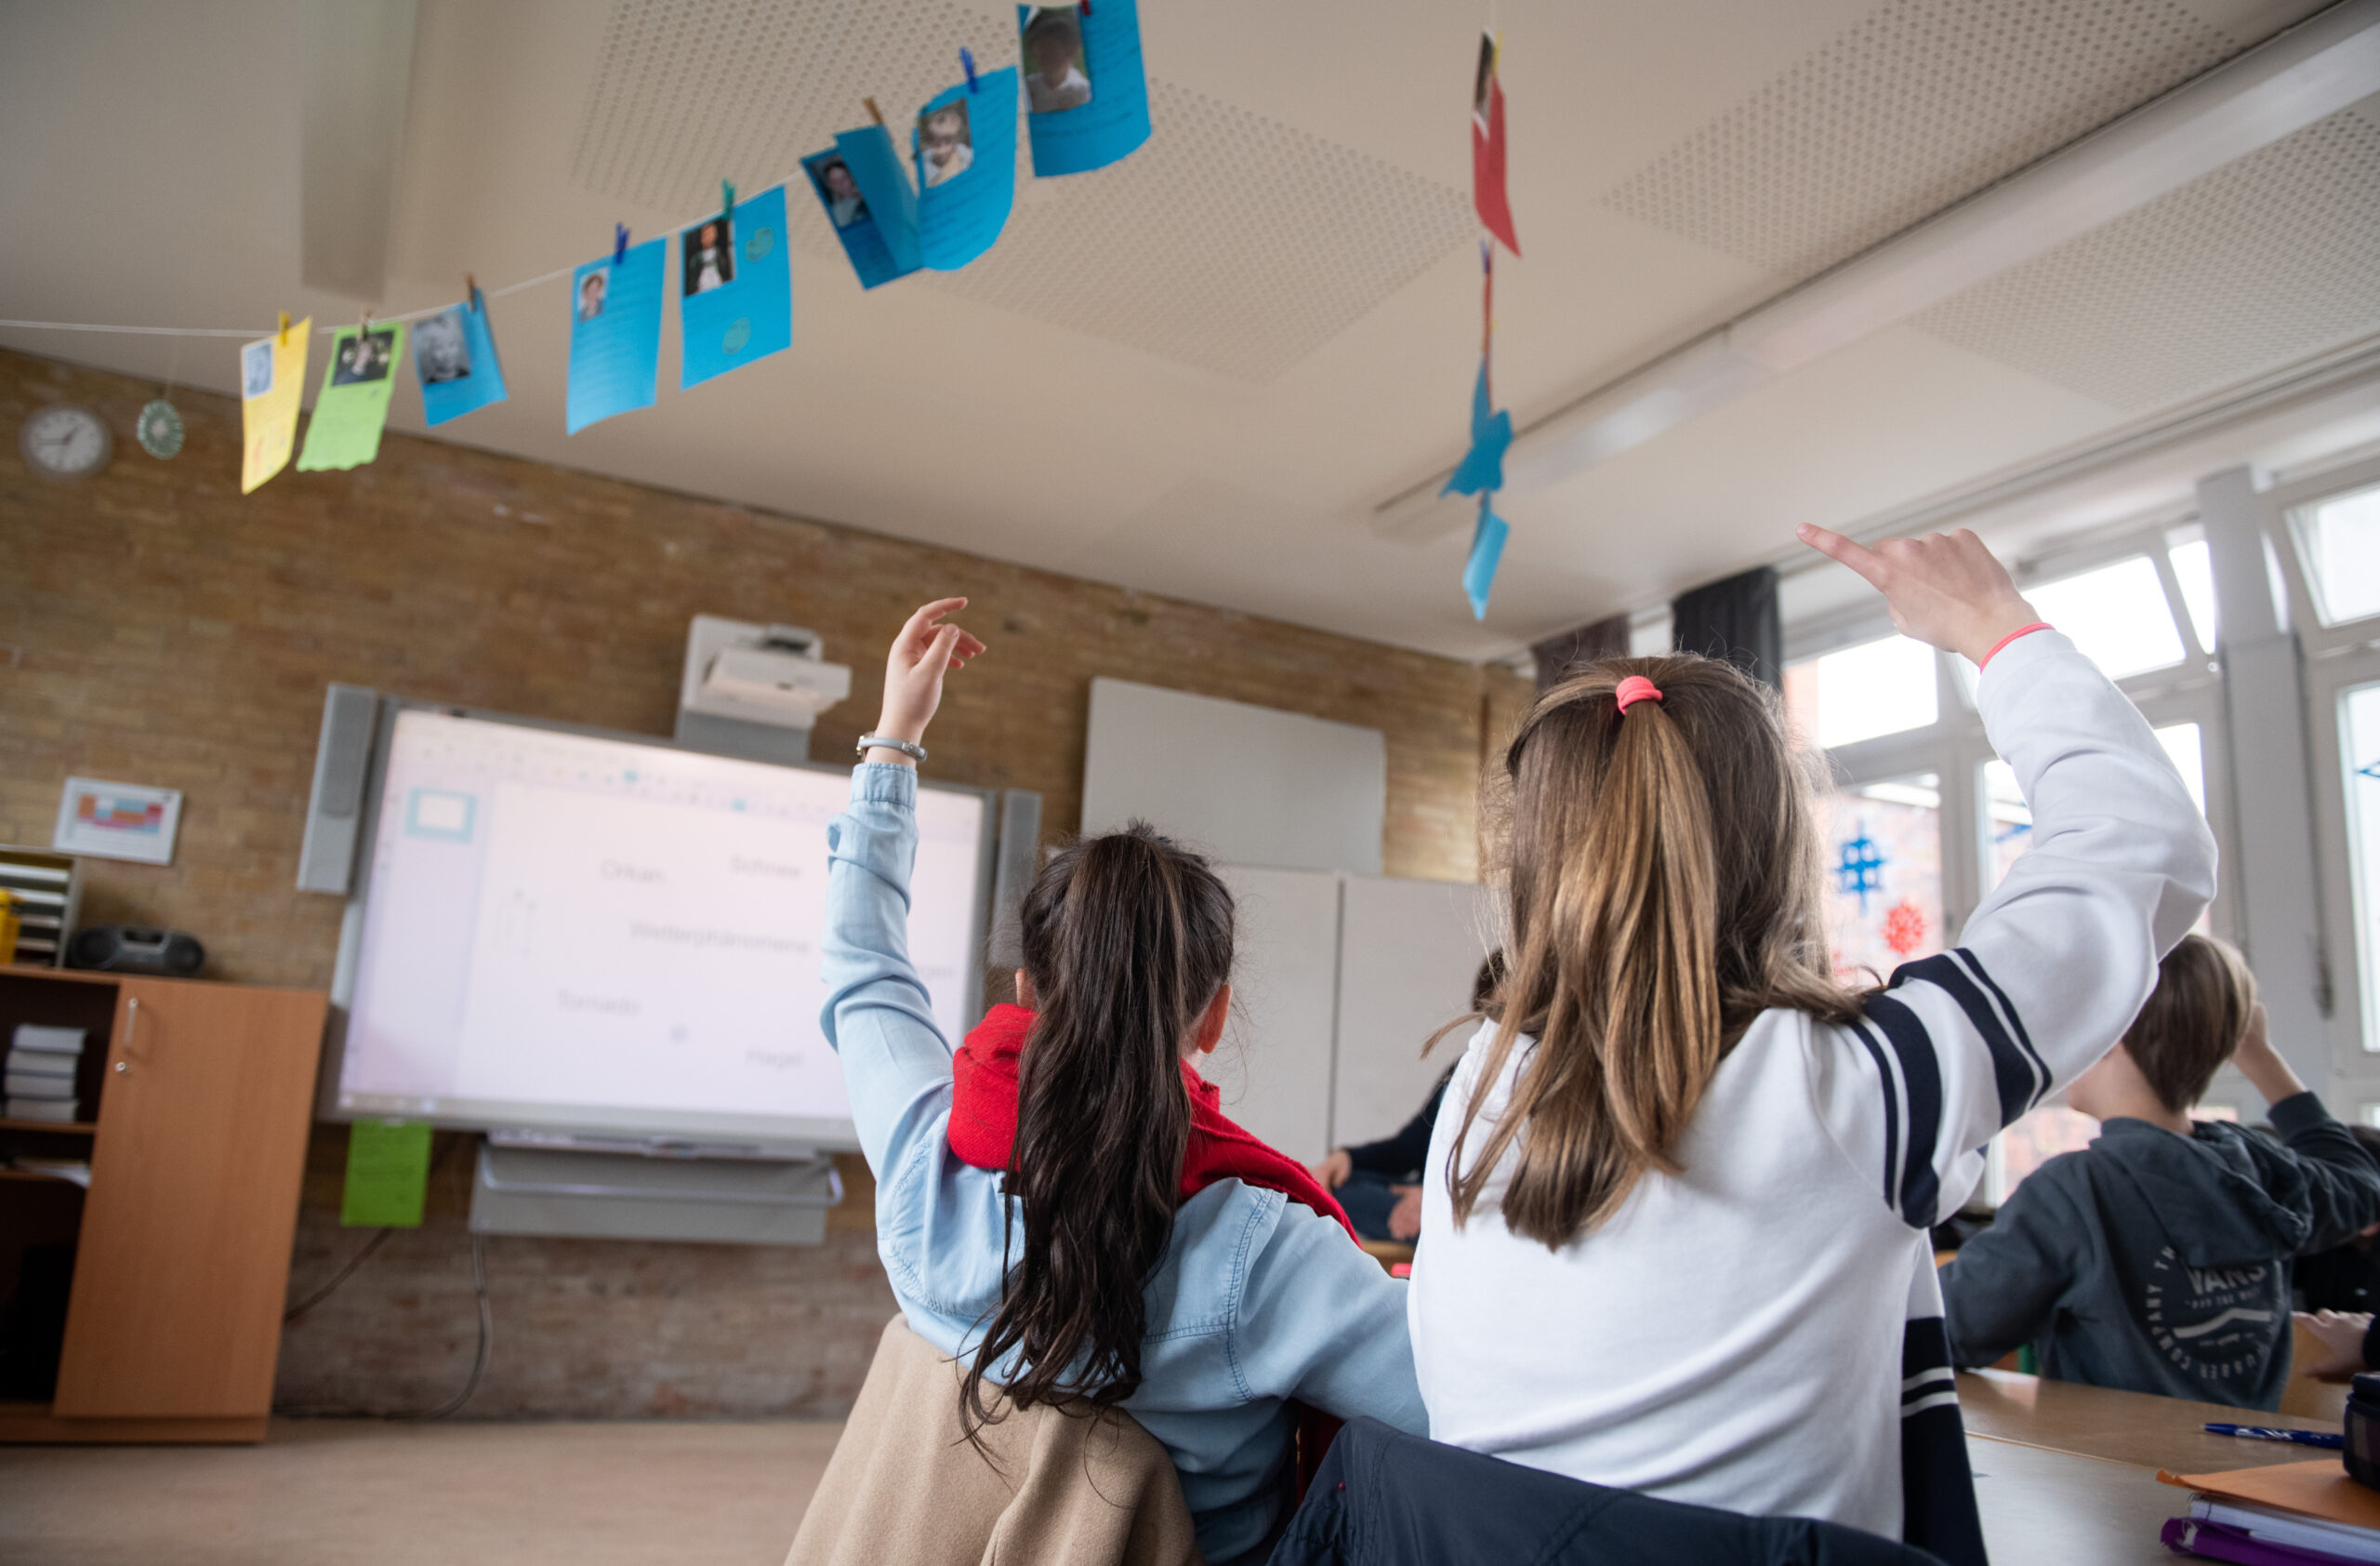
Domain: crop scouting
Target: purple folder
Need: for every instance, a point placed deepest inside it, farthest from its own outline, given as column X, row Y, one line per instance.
column 2218, row 1541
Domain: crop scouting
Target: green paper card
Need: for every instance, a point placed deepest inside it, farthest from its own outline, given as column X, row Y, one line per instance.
column 387, row 1173
column 345, row 431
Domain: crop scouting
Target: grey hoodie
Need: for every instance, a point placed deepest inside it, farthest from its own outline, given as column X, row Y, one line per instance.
column 2158, row 1263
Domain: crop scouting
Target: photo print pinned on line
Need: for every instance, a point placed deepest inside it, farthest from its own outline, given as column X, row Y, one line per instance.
column 869, row 201
column 965, row 147
column 454, row 355
column 353, row 407
column 737, row 302
column 615, row 332
column 1085, row 85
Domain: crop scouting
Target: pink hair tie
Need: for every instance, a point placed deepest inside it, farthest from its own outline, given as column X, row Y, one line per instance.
column 1633, row 689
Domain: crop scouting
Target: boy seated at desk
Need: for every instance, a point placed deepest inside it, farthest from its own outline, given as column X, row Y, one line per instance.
column 2157, row 1258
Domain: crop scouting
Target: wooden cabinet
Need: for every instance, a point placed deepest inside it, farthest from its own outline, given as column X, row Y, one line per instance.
column 203, row 1098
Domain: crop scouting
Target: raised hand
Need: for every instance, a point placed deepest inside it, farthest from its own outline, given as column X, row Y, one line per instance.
column 1945, row 589
column 921, row 655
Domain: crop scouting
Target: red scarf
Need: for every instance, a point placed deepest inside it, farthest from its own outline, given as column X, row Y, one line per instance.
column 982, row 1122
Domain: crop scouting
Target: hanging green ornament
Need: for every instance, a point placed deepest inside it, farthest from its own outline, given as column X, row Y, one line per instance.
column 160, row 429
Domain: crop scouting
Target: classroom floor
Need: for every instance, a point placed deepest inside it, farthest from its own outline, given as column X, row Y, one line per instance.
column 364, row 1493
column 2068, row 1476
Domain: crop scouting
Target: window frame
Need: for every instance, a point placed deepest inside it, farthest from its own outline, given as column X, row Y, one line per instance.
column 2284, row 502
column 2355, row 1055
column 1955, row 746
column 2335, row 658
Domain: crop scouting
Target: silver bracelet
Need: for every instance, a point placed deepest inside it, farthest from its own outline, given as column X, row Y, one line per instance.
column 908, row 748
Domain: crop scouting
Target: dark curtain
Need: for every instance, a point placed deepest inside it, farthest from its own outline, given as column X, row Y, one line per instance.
column 1736, row 619
column 1557, row 655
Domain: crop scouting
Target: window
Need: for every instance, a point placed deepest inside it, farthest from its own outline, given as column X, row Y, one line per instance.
column 2194, row 573
column 2118, row 614
column 1861, row 693
column 1882, row 857
column 2340, row 540
column 2359, row 759
column 2032, row 1141
column 2053, row 1129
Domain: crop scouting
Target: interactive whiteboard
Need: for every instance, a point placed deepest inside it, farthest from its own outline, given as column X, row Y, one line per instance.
column 569, row 931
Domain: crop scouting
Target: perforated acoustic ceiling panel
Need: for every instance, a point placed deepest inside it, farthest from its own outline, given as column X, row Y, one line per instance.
column 2257, row 264
column 1231, row 241
column 1921, row 103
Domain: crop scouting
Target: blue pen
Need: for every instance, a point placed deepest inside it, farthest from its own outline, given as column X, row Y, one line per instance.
column 2275, row 1433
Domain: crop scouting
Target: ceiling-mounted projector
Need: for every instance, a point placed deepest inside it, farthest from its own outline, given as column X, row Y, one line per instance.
column 771, row 676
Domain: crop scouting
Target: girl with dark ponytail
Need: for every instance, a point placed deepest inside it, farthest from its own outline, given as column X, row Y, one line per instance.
column 1063, row 1206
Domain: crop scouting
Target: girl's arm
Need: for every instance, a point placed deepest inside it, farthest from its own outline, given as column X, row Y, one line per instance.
column 878, row 1017
column 2058, row 960
column 1319, row 1321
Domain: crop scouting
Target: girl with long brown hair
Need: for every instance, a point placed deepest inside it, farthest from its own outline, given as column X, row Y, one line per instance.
column 1063, row 1206
column 1674, row 1229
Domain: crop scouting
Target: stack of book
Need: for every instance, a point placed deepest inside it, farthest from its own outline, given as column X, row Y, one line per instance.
column 2290, row 1513
column 41, row 1066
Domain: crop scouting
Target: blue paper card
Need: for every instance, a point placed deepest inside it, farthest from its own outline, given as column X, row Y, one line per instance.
column 1087, row 96
column 454, row 354
column 736, row 289
column 1487, row 552
column 614, row 335
column 965, row 144
column 868, row 199
column 1483, row 465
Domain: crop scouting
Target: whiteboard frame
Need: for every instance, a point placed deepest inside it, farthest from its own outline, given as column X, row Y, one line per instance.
column 693, row 1134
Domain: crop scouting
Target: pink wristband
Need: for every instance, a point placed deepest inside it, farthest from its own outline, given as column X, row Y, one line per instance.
column 2020, row 630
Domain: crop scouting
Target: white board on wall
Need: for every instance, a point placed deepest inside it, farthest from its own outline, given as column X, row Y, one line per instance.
column 1407, row 953
column 1248, row 785
column 1273, row 1065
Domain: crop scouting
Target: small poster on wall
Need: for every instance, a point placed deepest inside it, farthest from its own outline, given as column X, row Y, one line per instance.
column 117, row 821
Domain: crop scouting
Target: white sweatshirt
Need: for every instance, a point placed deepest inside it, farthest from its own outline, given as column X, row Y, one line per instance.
column 1734, row 1336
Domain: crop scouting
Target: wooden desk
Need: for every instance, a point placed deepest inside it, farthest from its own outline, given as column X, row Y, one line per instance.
column 2069, row 1473
column 2133, row 1427
column 2049, row 1509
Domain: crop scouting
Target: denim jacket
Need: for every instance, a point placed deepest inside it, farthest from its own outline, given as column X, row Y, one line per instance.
column 1256, row 1301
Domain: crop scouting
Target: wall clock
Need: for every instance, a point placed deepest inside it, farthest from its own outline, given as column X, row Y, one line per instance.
column 65, row 442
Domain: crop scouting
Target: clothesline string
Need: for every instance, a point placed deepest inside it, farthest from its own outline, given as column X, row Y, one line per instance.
column 268, row 331
column 319, row 331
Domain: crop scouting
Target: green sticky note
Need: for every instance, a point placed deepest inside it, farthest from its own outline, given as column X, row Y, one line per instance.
column 387, row 1173
column 345, row 430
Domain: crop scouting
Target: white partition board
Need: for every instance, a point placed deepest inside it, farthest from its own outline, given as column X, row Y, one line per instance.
column 1407, row 953
column 1273, row 1065
column 1250, row 785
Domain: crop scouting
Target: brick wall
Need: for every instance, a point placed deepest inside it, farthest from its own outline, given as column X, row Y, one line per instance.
column 157, row 627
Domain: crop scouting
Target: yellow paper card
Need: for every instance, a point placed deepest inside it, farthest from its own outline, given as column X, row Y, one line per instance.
column 272, row 381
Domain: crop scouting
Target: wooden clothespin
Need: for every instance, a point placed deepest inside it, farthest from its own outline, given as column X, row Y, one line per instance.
column 873, row 112
column 471, row 292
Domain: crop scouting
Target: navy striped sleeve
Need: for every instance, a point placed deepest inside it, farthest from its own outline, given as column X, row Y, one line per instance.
column 1920, row 1069
column 2017, row 1070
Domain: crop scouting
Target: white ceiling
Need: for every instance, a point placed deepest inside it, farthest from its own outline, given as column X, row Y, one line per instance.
column 1196, row 372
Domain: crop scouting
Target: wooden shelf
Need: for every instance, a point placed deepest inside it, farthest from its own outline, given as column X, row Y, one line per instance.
column 53, row 1128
